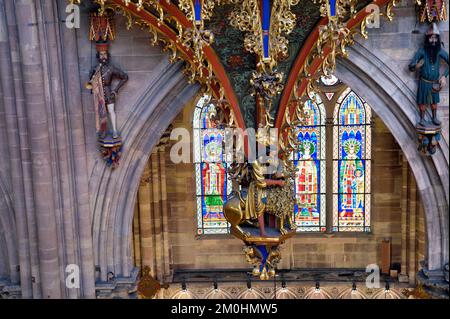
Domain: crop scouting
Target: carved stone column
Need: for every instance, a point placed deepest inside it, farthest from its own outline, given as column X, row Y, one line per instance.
column 136, row 245
column 11, row 169
column 151, row 219
column 413, row 208
column 43, row 125
column 403, row 276
column 14, row 100
column 164, row 212
column 145, row 196
column 35, row 92
column 413, row 227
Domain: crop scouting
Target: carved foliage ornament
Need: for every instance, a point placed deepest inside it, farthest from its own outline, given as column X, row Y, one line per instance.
column 247, row 17
column 333, row 39
column 432, row 10
column 101, row 27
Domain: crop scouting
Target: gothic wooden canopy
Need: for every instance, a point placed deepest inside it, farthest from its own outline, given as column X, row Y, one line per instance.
column 220, row 43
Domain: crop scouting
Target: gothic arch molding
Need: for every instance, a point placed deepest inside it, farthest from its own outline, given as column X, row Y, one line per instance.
column 394, row 101
column 115, row 191
column 391, row 98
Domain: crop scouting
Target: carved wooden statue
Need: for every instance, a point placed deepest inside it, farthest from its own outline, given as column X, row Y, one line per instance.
column 101, row 79
column 426, row 62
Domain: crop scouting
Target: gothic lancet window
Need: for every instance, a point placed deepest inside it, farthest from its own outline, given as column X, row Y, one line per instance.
column 309, row 161
column 343, row 194
column 212, row 185
column 351, row 163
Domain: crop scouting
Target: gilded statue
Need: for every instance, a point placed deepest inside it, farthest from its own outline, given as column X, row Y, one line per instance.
column 257, row 197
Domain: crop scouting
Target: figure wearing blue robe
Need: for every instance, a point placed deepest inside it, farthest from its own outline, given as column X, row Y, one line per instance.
column 429, row 74
column 427, row 60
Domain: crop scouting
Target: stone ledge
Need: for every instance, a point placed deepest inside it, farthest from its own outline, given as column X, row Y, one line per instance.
column 9, row 291
column 118, row 287
column 435, row 283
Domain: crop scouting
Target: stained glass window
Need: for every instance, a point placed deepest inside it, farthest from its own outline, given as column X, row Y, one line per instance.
column 211, row 176
column 309, row 160
column 351, row 163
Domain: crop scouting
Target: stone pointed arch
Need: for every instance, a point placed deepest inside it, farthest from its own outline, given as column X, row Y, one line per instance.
column 217, row 294
column 251, row 293
column 391, row 94
column 115, row 190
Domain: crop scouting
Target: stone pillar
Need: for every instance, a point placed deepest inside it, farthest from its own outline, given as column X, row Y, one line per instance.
column 25, row 218
column 136, row 246
column 413, row 212
column 77, row 154
column 403, row 276
column 59, row 130
column 153, row 216
column 40, row 149
column 44, row 127
column 5, row 167
column 410, row 212
column 413, row 227
column 413, row 241
column 164, row 236
column 421, row 238
column 156, row 213
column 10, row 171
column 145, row 196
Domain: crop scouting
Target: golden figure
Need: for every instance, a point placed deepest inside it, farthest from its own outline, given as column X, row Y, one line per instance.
column 259, row 196
column 238, row 209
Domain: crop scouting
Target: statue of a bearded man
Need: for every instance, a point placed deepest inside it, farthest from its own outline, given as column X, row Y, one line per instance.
column 427, row 62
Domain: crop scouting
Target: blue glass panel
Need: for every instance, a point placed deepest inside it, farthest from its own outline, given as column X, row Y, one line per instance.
column 309, row 144
column 351, row 110
column 351, row 144
column 206, row 119
column 212, row 150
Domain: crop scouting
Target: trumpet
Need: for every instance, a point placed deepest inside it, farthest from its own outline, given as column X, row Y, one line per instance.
column 88, row 85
